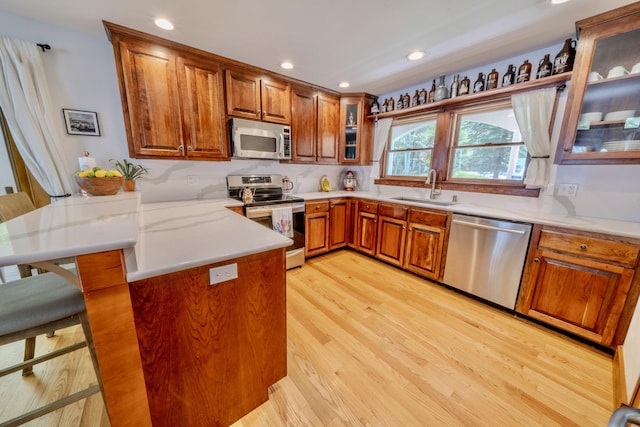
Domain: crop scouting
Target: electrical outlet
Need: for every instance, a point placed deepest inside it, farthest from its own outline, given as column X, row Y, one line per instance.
column 223, row 273
column 567, row 190
column 192, row 180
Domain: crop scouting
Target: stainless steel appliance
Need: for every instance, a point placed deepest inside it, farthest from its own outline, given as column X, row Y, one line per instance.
column 267, row 194
column 485, row 257
column 260, row 140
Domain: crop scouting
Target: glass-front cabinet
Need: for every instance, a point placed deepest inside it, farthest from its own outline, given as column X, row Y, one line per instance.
column 602, row 117
column 355, row 130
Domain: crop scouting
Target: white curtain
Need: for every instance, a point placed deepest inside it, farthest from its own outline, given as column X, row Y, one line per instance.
column 26, row 104
column 379, row 142
column 533, row 111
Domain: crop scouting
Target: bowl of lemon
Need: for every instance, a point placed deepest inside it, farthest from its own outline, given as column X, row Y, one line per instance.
column 99, row 182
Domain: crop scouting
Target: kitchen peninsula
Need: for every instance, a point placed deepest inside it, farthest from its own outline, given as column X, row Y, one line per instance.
column 173, row 348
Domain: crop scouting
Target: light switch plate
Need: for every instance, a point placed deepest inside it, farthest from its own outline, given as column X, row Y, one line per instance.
column 567, row 190
column 223, row 273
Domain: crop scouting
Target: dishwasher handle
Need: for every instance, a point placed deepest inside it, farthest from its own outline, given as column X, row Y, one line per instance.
column 488, row 227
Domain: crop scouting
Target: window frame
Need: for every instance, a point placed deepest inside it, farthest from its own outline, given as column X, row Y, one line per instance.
column 442, row 156
column 429, row 116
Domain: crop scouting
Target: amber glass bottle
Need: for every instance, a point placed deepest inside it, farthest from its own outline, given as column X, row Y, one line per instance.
column 432, row 92
column 509, row 77
column 391, row 105
column 492, row 80
column 564, row 58
column 544, row 67
column 464, row 86
column 524, row 72
column 478, row 85
column 424, row 96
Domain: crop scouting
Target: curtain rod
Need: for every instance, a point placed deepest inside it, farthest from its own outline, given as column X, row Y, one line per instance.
column 44, row 46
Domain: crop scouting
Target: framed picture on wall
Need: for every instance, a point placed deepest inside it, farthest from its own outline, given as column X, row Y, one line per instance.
column 81, row 122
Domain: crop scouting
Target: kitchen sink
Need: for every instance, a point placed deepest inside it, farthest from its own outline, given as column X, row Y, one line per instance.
column 425, row 201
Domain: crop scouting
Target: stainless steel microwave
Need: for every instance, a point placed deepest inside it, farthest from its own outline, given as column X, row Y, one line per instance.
column 260, row 140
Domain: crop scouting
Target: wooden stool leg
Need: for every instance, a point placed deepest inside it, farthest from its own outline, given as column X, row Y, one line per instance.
column 88, row 337
column 29, row 353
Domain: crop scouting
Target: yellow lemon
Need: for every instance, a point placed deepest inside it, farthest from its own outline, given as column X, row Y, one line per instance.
column 109, row 174
column 116, row 173
column 82, row 174
column 100, row 173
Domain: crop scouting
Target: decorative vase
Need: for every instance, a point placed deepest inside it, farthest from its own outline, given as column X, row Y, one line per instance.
column 129, row 185
column 441, row 92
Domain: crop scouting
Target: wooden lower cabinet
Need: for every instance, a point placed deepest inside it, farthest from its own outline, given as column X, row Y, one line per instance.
column 338, row 223
column 367, row 227
column 392, row 233
column 426, row 243
column 316, row 233
column 580, row 283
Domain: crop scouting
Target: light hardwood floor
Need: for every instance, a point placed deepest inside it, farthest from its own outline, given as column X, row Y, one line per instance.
column 371, row 345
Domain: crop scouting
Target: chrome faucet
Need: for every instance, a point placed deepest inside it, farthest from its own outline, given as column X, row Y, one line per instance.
column 432, row 180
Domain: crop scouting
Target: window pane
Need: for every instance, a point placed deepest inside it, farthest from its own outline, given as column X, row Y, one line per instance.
column 409, row 163
column 413, row 135
column 488, row 127
column 504, row 162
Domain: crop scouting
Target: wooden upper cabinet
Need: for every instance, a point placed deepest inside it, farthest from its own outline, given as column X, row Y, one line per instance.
column 172, row 98
column 204, row 127
column 602, row 118
column 314, row 126
column 327, row 128
column 150, row 100
column 303, row 124
column 355, row 131
column 252, row 97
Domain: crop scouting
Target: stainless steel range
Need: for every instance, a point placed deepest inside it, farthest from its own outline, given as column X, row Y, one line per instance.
column 263, row 196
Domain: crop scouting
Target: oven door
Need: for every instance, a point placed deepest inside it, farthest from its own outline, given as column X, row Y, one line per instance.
column 262, row 215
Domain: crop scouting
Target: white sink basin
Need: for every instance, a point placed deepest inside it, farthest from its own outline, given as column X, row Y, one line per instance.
column 425, row 201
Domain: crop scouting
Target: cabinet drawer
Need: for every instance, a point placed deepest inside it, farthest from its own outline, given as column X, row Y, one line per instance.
column 592, row 247
column 391, row 211
column 435, row 219
column 366, row 206
column 312, row 207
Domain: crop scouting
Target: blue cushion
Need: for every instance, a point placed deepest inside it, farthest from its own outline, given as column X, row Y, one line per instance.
column 37, row 300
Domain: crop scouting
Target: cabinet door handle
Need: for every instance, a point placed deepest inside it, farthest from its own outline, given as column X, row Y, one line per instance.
column 189, row 148
column 180, row 148
column 536, row 260
column 583, row 247
column 567, row 149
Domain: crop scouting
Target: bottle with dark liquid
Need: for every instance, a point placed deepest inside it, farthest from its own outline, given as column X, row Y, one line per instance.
column 375, row 107
column 544, row 67
column 509, row 77
column 564, row 58
column 406, row 100
column 391, row 105
column 432, row 92
column 492, row 80
column 524, row 72
column 478, row 86
column 424, row 96
column 383, row 109
column 415, row 99
column 464, row 86
column 400, row 102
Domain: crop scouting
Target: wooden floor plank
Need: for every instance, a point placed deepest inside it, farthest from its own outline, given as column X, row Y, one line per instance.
column 372, row 345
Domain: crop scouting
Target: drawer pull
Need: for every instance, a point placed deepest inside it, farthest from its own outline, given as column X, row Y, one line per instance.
column 536, row 260
column 583, row 247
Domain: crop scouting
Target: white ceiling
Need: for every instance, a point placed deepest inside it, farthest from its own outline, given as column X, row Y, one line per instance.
column 363, row 42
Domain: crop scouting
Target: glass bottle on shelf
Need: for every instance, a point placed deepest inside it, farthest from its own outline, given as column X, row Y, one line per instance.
column 415, row 99
column 544, row 67
column 524, row 72
column 464, row 86
column 564, row 59
column 391, row 105
column 454, row 86
column 492, row 80
column 384, row 107
column 478, row 85
column 400, row 102
column 432, row 92
column 406, row 100
column 441, row 92
column 509, row 77
column 375, row 107
column 424, row 96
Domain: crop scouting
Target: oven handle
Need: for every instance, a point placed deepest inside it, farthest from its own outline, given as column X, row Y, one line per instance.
column 265, row 211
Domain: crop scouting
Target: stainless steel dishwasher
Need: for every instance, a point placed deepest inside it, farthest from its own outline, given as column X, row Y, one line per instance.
column 486, row 257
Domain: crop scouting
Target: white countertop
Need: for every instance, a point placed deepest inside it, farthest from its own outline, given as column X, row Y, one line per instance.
column 157, row 238
column 597, row 225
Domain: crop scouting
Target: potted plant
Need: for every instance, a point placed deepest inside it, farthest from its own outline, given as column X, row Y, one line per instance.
column 130, row 172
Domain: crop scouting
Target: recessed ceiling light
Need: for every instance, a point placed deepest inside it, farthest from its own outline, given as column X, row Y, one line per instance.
column 286, row 65
column 558, row 1
column 344, row 84
column 165, row 24
column 415, row 55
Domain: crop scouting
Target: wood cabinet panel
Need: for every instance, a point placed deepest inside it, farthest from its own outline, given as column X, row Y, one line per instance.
column 150, row 99
column 276, row 101
column 303, row 125
column 243, row 95
column 393, row 211
column 355, row 131
column 316, row 233
column 367, row 227
column 391, row 239
column 204, row 127
column 327, row 129
column 425, row 250
column 591, row 247
column 338, row 223
column 210, row 353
